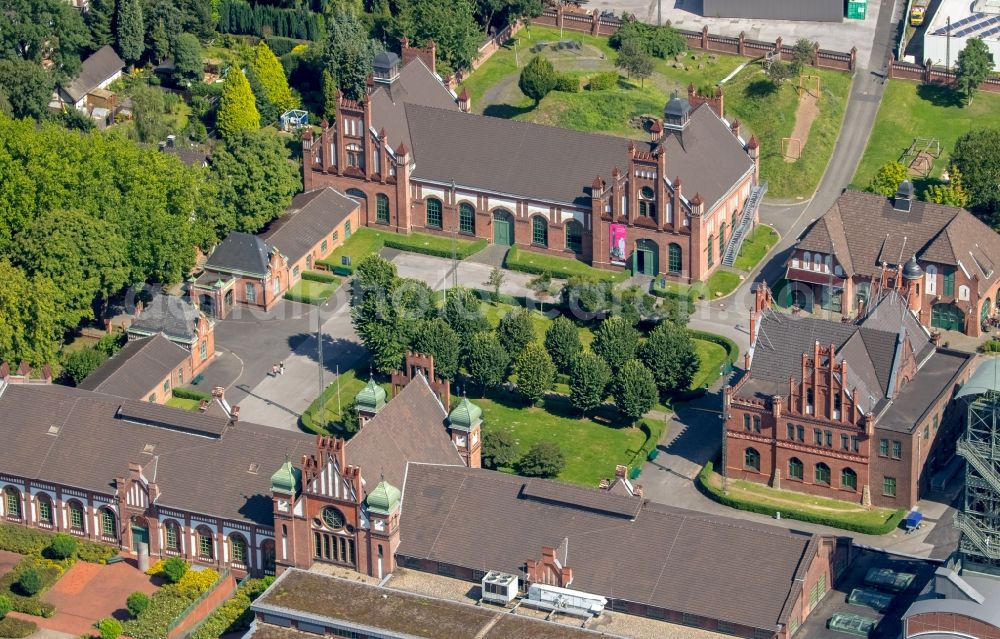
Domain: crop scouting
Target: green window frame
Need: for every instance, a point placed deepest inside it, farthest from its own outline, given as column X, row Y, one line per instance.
column 751, row 459
column 756, row 423
column 936, row 422
column 711, row 243
column 849, row 479
column 574, row 237
column 433, row 207
column 927, row 431
column 76, row 516
column 796, row 469
column 746, row 422
column 883, row 447
column 336, row 236
column 674, row 258
column 845, row 441
column 238, row 549
column 44, row 510
column 166, row 386
column 382, row 208
column 108, row 523
column 949, row 281
column 324, row 247
column 722, row 238
column 203, row 351
column 347, row 230
column 466, row 219
column 152, row 398
column 13, row 504
column 791, row 432
column 539, row 231
column 897, row 449
column 822, row 474
column 205, row 549
column 172, row 539
column 889, row 486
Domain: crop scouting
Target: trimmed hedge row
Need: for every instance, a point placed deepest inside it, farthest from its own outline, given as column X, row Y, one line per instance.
column 49, row 571
column 561, row 267
column 464, row 248
column 790, row 512
column 234, row 615
column 315, row 300
column 190, row 393
column 31, row 541
column 332, row 265
column 686, row 299
column 14, row 628
column 317, row 276
column 732, row 349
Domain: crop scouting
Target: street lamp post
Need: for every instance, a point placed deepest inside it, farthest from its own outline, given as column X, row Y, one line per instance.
column 725, row 420
column 454, row 237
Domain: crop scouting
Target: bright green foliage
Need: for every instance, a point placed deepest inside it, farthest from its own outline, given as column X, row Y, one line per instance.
column 486, row 360
column 449, row 23
column 29, row 327
column 375, row 315
column 495, row 281
column 174, row 569
column 975, row 63
column 235, row 615
column 237, row 108
column 30, row 582
column 634, row 389
column 888, row 178
column 670, row 354
column 187, row 58
column 463, row 310
column 516, row 331
column 977, row 156
column 50, row 29
column 803, row 52
column 538, row 77
column 603, row 81
column 535, row 373
column 951, row 194
column 347, row 53
column 544, row 459
column 778, row 71
column 129, row 30
column 662, row 42
column 251, row 181
column 562, row 341
column 588, row 385
column 329, row 95
column 5, row 606
column 435, row 337
column 272, row 78
column 26, row 86
column 616, row 342
column 16, row 628
column 269, row 112
column 109, row 628
column 499, row 449
column 634, row 60
column 136, row 603
column 149, row 107
column 63, row 546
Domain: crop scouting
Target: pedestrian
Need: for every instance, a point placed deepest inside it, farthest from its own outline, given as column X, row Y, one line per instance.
column 274, row 370
column 281, row 369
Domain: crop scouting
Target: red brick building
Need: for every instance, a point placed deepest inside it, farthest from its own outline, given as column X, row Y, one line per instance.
column 242, row 269
column 147, row 369
column 417, row 160
column 860, row 244
column 180, row 322
column 953, row 605
column 859, row 412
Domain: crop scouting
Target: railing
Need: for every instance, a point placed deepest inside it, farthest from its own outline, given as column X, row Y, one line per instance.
column 971, row 531
column 972, row 455
column 746, row 220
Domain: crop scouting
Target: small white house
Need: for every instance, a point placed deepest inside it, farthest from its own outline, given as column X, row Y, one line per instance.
column 96, row 73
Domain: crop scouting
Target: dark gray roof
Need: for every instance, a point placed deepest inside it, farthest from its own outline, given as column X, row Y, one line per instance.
column 938, row 375
column 385, row 60
column 240, row 253
column 554, row 164
column 976, row 596
column 103, row 64
column 689, row 562
column 171, row 315
column 200, row 462
column 311, row 216
column 190, row 156
column 416, row 84
column 138, row 368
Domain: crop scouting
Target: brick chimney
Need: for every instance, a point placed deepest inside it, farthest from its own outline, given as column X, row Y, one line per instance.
column 464, row 101
column 735, row 128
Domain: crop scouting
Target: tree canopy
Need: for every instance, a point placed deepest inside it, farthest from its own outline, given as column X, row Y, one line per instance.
column 129, row 30
column 544, row 459
column 272, row 78
column 535, row 373
column 562, row 341
column 616, row 342
column 516, row 331
column 347, row 55
column 486, row 360
column 27, row 87
column 451, row 24
column 888, row 178
column 975, row 63
column 950, row 194
column 537, row 78
column 662, row 41
column 669, row 353
column 36, row 29
column 187, row 58
column 237, row 107
column 634, row 389
column 977, row 156
column 588, row 386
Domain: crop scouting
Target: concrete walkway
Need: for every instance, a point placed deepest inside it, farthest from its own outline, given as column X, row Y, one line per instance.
column 438, row 273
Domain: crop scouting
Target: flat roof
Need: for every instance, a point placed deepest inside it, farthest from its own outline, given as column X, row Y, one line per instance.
column 972, row 19
column 935, row 377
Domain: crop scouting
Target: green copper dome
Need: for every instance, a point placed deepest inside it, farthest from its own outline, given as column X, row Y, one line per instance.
column 384, row 498
column 287, row 480
column 371, row 398
column 466, row 415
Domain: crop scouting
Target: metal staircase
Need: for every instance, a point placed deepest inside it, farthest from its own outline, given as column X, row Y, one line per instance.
column 975, row 458
column 746, row 222
column 979, row 518
column 986, row 545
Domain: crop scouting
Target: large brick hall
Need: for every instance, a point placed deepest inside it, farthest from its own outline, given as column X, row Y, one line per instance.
column 416, row 158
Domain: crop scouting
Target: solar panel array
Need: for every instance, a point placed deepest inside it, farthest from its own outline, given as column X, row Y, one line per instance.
column 979, row 24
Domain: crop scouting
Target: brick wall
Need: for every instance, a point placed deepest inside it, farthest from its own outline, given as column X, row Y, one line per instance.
column 931, row 74
column 223, row 590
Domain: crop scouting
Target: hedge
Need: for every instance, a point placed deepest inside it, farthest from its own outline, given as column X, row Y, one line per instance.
column 791, row 512
column 686, row 298
column 567, row 83
column 535, row 263
column 317, row 276
column 30, row 541
column 463, row 248
column 190, row 393
column 14, row 628
column 603, row 81
column 732, row 349
column 168, row 603
column 234, row 615
column 991, row 346
column 48, row 570
column 315, row 300
column 333, row 265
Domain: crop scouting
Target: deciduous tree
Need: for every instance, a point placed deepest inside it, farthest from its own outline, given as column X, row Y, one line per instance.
column 272, row 78
column 29, row 329
column 950, row 194
column 52, row 30
column 669, row 353
column 237, row 107
column 977, row 156
column 562, row 341
column 485, row 360
column 436, row 338
column 588, row 385
column 516, row 331
column 451, row 24
column 975, row 63
column 634, row 389
column 187, row 58
column 634, row 60
column 544, row 459
column 888, row 178
column 535, row 373
column 616, row 342
column 538, row 77
column 374, row 316
column 463, row 310
column 495, row 281
column 499, row 449
column 148, row 108
column 27, row 87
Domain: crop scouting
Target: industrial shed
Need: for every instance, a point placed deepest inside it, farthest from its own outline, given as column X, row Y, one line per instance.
column 805, row 10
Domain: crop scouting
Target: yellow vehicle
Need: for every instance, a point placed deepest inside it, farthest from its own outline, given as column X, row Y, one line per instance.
column 917, row 15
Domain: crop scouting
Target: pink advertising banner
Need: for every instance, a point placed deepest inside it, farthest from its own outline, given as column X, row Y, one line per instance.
column 616, row 243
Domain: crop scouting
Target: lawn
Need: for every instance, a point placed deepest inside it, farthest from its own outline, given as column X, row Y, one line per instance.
column 366, row 241
column 711, row 358
column 184, row 404
column 910, row 110
column 311, row 292
column 326, row 408
column 561, row 267
column 722, row 283
column 769, row 113
column 539, row 320
column 758, row 244
column 592, row 446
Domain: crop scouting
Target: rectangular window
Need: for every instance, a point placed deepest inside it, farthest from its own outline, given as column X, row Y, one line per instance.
column 927, row 431
column 180, row 376
column 347, row 229
column 889, row 486
column 166, row 386
column 883, row 447
column 817, row 437
column 13, row 505
column 691, row 620
column 654, row 613
column 295, row 271
column 76, row 518
column 711, row 242
column 251, row 292
column 445, row 569
column 949, row 281
column 829, row 439
column 171, row 535
column 324, row 246
column 466, row 220
column 276, row 283
column 746, row 422
column 204, row 546
column 381, row 209
column 152, row 398
column 756, row 423
column 336, row 236
column 203, row 351
column 935, row 422
column 107, row 524
column 845, row 442
column 45, row 511
column 854, row 443
column 897, row 449
column 801, row 430
column 791, row 431
column 726, row 628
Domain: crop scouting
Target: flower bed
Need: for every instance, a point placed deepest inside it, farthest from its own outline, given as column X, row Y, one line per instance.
column 234, row 615
column 30, row 541
column 168, row 603
column 31, row 604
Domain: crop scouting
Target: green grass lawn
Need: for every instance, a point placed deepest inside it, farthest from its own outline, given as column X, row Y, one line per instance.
column 758, row 244
column 185, row 404
column 366, row 241
column 562, row 267
column 910, row 110
column 711, row 357
column 721, row 283
column 311, row 292
column 541, row 322
column 326, row 408
column 592, row 446
column 362, row 242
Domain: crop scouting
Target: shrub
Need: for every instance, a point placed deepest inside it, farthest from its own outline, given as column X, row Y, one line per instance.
column 13, row 628
column 174, row 569
column 30, row 582
column 538, row 77
column 544, row 459
column 29, row 541
column 136, row 603
column 603, row 81
column 567, row 83
column 5, row 606
column 109, row 628
column 412, row 244
column 234, row 615
column 196, row 582
column 991, row 346
column 164, row 607
column 317, row 276
column 63, row 546
column 188, row 393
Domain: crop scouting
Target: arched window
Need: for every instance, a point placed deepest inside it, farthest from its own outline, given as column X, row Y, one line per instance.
column 848, row 479
column 44, row 509
column 711, row 245
column 751, row 460
column 574, row 236
column 827, row 264
column 539, row 231
column 822, row 474
column 433, row 213
column 238, row 549
column 12, row 503
column 806, row 259
column 647, row 203
column 77, row 522
column 267, row 555
column 722, row 238
column 674, row 258
column 817, row 261
column 466, row 219
column 930, row 277
column 382, row 208
column 108, row 527
column 206, row 544
column 357, row 194
column 795, row 468
column 171, row 536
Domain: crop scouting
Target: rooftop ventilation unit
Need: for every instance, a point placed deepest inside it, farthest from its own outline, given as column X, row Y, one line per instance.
column 53, row 430
column 904, row 197
column 499, row 587
column 571, row 602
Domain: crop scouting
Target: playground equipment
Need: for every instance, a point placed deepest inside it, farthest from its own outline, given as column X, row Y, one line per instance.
column 791, row 149
column 919, row 157
column 805, row 81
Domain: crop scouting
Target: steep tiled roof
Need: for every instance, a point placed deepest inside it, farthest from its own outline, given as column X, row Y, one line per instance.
column 486, row 520
column 200, row 463
column 137, row 368
column 416, row 84
column 311, row 217
column 240, row 253
column 173, row 316
column 103, row 64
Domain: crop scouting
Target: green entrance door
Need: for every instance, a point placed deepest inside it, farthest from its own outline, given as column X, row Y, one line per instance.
column 646, row 258
column 140, row 534
column 947, row 317
column 503, row 228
